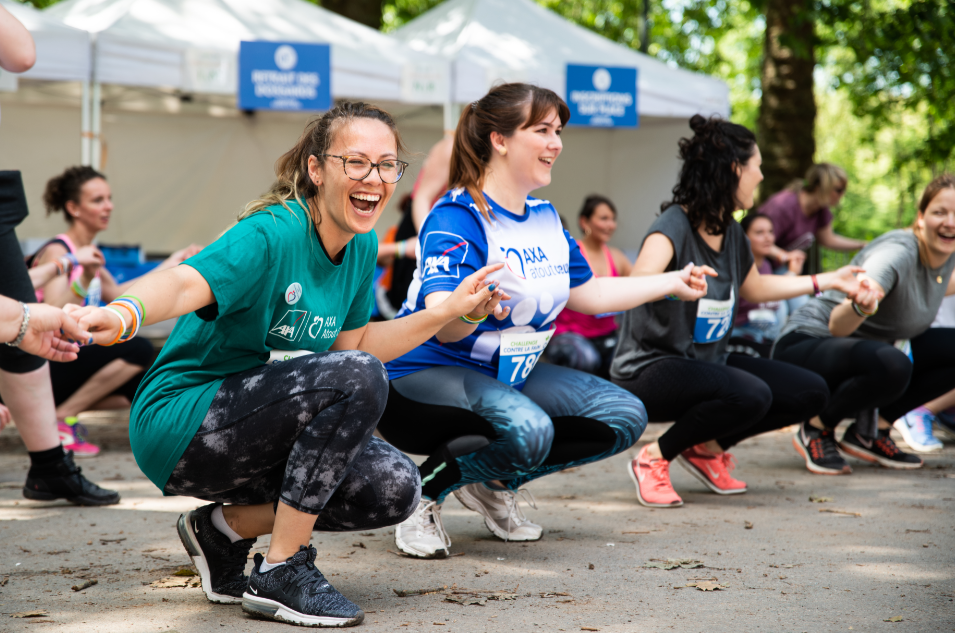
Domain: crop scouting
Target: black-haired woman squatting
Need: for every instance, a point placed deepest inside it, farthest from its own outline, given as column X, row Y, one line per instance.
column 673, row 355
column 879, row 357
column 268, row 391
column 473, row 398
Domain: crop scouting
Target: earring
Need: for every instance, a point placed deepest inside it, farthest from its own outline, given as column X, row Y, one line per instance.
column 503, row 151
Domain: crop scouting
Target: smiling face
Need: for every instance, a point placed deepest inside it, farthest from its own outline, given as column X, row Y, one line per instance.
column 750, row 175
column 94, row 206
column 347, row 206
column 761, row 236
column 937, row 225
column 530, row 152
column 601, row 225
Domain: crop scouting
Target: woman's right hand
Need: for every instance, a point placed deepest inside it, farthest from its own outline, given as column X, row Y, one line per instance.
column 90, row 258
column 867, row 297
column 476, row 296
column 795, row 260
column 103, row 325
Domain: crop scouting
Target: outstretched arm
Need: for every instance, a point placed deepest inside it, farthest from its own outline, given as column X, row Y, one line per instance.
column 830, row 239
column 17, row 50
column 758, row 288
column 433, row 181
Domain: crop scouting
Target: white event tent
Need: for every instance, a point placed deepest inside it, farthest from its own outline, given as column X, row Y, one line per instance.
column 182, row 161
column 491, row 41
column 63, row 52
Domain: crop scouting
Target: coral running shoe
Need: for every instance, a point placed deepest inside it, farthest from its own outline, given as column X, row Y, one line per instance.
column 652, row 479
column 881, row 450
column 916, row 429
column 818, row 447
column 73, row 438
column 712, row 470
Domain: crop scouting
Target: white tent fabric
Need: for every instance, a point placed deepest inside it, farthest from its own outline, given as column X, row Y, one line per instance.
column 517, row 40
column 63, row 52
column 192, row 45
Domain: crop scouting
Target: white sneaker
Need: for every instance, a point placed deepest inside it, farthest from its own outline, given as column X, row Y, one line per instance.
column 501, row 512
column 422, row 534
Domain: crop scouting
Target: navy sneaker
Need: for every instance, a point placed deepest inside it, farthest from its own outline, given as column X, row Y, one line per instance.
column 818, row 448
column 221, row 563
column 946, row 421
column 66, row 481
column 298, row 593
column 880, row 450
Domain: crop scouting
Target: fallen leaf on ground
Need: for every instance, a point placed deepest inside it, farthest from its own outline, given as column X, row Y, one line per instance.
column 359, row 544
column 30, row 614
column 816, row 499
column 589, row 628
column 747, row 525
column 673, row 563
column 894, row 618
column 86, row 585
column 185, row 571
column 3, row 583
column 834, row 511
column 707, row 585
column 503, row 596
column 172, row 582
column 59, row 551
column 438, row 623
column 104, row 541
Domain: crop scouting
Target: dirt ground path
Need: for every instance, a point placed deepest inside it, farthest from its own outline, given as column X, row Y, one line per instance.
column 882, row 548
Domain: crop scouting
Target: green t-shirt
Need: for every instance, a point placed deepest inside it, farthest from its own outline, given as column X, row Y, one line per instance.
column 275, row 289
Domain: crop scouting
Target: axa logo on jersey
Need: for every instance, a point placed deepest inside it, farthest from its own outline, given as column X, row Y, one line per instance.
column 295, row 323
column 443, row 254
column 531, row 263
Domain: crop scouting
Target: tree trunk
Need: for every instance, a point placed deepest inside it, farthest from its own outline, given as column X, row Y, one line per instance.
column 787, row 113
column 368, row 12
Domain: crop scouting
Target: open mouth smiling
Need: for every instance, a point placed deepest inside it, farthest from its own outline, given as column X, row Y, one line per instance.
column 365, row 203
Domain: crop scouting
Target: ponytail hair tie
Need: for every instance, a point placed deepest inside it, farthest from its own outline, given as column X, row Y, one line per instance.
column 474, row 105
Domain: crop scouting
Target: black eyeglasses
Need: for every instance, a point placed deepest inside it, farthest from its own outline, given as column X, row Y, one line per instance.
column 359, row 167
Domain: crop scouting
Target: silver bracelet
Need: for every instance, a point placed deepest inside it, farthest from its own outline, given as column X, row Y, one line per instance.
column 23, row 325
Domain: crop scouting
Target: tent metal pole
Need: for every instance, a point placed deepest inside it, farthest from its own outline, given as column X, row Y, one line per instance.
column 97, row 145
column 85, row 132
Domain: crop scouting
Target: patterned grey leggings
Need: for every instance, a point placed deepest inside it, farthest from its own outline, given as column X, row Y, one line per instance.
column 301, row 432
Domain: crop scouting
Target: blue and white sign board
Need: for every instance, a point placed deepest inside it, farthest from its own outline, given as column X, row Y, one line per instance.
column 602, row 96
column 284, row 76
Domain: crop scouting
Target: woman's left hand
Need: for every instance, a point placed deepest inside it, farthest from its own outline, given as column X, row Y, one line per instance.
column 692, row 282
column 844, row 280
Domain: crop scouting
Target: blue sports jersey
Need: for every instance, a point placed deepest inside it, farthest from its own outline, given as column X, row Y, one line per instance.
column 542, row 262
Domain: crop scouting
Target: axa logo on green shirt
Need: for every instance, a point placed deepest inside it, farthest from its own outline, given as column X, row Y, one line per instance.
column 295, row 323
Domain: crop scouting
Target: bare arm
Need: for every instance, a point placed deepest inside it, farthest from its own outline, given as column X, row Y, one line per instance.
column 47, row 330
column 112, row 289
column 388, row 340
column 830, row 239
column 620, row 262
column 616, row 294
column 17, row 50
column 433, row 181
column 56, row 291
column 164, row 295
column 758, row 288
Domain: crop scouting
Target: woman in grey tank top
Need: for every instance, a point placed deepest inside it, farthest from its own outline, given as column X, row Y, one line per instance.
column 875, row 350
column 673, row 354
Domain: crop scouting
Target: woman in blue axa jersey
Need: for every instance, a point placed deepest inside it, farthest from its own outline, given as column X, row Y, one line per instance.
column 472, row 397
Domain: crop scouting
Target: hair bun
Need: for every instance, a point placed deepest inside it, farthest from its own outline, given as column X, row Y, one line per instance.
column 698, row 123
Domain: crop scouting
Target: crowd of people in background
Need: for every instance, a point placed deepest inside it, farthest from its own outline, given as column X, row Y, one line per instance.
column 506, row 350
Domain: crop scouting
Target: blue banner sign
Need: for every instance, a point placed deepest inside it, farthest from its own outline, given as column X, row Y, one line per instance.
column 602, row 96
column 284, row 76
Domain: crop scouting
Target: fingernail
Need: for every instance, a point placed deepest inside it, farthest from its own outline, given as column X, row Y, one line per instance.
column 491, row 287
column 91, row 341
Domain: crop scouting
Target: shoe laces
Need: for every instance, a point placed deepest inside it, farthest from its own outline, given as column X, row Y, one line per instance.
column 729, row 461
column 824, row 445
column 305, row 572
column 887, row 445
column 430, row 523
column 514, row 513
column 660, row 469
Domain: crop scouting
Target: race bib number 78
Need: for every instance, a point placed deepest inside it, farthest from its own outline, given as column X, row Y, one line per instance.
column 519, row 354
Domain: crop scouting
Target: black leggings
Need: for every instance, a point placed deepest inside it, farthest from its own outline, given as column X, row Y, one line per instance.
column 728, row 403
column 67, row 378
column 301, row 432
column 14, row 279
column 864, row 374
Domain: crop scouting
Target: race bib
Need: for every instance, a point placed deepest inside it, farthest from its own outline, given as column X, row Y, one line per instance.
column 904, row 345
column 282, row 355
column 713, row 319
column 519, row 354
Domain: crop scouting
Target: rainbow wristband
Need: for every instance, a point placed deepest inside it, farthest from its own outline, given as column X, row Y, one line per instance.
column 139, row 302
column 137, row 317
column 672, row 298
column 471, row 321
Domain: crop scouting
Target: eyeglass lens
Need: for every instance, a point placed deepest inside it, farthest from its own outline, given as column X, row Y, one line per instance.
column 358, row 168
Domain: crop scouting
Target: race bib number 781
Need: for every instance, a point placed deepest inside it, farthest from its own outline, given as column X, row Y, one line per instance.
column 519, row 354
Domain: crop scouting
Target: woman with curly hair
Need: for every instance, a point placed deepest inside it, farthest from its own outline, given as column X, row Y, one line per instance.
column 673, row 354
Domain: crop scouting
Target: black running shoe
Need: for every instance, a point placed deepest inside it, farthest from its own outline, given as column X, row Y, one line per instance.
column 221, row 563
column 818, row 448
column 881, row 450
column 298, row 593
column 68, row 483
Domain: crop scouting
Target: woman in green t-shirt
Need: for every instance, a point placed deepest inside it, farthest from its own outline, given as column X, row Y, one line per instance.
column 268, row 391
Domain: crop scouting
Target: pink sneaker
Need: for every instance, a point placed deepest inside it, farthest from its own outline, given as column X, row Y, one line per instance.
column 73, row 438
column 712, row 470
column 652, row 478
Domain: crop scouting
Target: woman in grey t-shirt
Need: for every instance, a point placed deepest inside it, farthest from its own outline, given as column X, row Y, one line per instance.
column 879, row 356
column 673, row 354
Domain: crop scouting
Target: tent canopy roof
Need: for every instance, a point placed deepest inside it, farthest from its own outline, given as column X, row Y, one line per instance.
column 517, row 40
column 192, row 45
column 63, row 52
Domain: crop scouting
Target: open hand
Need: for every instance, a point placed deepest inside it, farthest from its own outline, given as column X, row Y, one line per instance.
column 90, row 257
column 844, row 280
column 476, row 296
column 867, row 296
column 692, row 282
column 102, row 325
